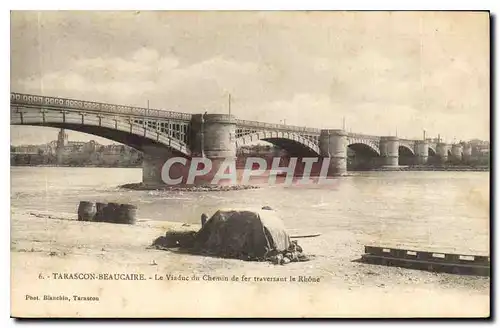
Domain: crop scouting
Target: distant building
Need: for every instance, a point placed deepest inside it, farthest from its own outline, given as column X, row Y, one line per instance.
column 73, row 152
column 64, row 152
column 25, row 150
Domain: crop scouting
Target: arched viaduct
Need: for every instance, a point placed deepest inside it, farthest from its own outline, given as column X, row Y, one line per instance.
column 160, row 134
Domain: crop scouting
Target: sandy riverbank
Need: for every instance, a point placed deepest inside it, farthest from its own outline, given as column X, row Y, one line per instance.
column 44, row 244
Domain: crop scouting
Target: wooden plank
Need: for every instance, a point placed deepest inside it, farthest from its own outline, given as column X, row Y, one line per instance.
column 425, row 255
column 411, row 254
column 373, row 250
column 456, row 268
column 386, row 258
column 482, row 259
column 439, row 257
column 401, row 253
column 452, row 258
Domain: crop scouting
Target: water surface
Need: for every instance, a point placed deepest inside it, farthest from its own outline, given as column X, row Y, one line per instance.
column 438, row 209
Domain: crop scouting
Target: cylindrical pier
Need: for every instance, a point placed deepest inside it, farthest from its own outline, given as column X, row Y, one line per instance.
column 467, row 154
column 219, row 136
column 442, row 151
column 333, row 145
column 456, row 152
column 422, row 151
column 389, row 150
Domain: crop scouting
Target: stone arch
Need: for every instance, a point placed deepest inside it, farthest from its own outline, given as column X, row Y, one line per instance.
column 406, row 155
column 369, row 144
column 294, row 143
column 119, row 130
column 362, row 156
column 407, row 149
column 363, row 148
column 433, row 156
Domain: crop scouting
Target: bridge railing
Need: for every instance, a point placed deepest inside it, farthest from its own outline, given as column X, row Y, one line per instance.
column 372, row 137
column 362, row 136
column 64, row 103
column 403, row 140
column 429, row 140
column 262, row 125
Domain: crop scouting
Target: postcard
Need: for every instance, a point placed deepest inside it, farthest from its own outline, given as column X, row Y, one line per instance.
column 250, row 164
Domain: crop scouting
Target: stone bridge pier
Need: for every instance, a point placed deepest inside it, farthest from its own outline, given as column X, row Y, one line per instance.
column 215, row 139
column 467, row 154
column 442, row 151
column 212, row 137
column 456, row 152
column 421, row 151
column 152, row 163
column 389, row 151
column 333, row 145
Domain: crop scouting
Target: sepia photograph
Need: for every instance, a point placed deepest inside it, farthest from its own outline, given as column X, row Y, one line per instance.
column 250, row 164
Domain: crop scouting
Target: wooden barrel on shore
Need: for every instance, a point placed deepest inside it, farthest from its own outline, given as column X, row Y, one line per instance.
column 126, row 214
column 111, row 212
column 99, row 215
column 86, row 211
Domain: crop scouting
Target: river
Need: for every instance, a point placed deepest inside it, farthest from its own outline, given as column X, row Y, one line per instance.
column 444, row 210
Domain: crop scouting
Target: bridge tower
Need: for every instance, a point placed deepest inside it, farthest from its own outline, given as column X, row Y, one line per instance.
column 389, row 150
column 213, row 136
column 216, row 136
column 219, row 136
column 333, row 145
column 422, row 151
column 62, row 142
column 442, row 151
column 62, row 139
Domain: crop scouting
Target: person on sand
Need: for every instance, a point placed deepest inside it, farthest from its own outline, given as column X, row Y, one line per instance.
column 204, row 219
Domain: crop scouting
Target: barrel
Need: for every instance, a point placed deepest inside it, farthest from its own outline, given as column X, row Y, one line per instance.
column 111, row 212
column 126, row 214
column 86, row 211
column 99, row 215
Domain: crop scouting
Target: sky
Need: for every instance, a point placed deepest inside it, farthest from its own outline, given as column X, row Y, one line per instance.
column 385, row 72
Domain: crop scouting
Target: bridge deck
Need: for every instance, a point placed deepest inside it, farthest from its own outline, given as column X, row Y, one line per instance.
column 90, row 106
column 67, row 104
